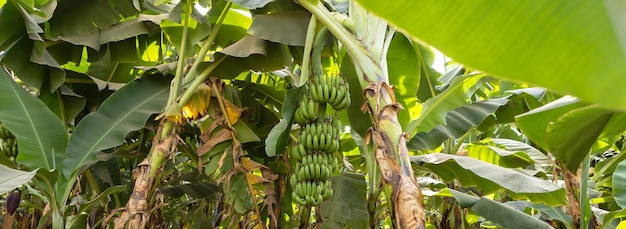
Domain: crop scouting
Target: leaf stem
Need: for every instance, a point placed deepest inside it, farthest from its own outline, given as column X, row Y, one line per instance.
column 178, row 78
column 316, row 55
column 207, row 44
column 306, row 58
column 360, row 56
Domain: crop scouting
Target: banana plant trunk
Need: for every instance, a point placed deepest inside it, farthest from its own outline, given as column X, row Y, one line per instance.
column 136, row 213
column 366, row 49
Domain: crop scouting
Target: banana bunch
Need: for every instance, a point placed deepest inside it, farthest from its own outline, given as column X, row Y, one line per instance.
column 333, row 90
column 198, row 103
column 320, row 135
column 9, row 143
column 307, row 111
column 315, row 147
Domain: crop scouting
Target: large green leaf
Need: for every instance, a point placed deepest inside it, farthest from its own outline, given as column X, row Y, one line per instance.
column 497, row 156
column 497, row 212
column 125, row 110
column 278, row 138
column 459, row 121
column 534, row 123
column 356, row 116
column 493, row 211
column 572, row 46
column 13, row 178
column 79, row 17
column 490, row 178
column 347, row 208
column 40, row 133
column 571, row 136
column 537, row 156
column 284, row 27
column 619, row 184
column 403, row 66
column 435, row 109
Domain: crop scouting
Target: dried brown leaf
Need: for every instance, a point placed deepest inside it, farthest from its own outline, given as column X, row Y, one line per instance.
column 219, row 137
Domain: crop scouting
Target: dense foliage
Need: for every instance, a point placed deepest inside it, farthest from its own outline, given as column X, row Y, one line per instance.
column 323, row 114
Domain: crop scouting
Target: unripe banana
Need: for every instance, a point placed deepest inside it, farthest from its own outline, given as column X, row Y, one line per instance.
column 318, row 172
column 295, row 152
column 307, row 172
column 327, row 194
column 300, row 189
column 326, row 93
column 311, row 109
column 301, row 173
column 293, row 181
column 302, row 150
column 309, row 141
column 298, row 199
column 333, row 95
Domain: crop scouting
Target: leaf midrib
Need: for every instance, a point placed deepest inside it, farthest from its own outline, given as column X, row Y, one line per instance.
column 117, row 122
column 32, row 126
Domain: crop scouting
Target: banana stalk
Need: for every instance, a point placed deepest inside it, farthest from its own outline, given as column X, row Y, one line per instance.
column 389, row 141
column 135, row 214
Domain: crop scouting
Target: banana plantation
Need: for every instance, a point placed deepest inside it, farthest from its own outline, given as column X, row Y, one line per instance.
column 312, row 114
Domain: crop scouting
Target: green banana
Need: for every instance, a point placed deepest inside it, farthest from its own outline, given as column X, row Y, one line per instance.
column 298, row 199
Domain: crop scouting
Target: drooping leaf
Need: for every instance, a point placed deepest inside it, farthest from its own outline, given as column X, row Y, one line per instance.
column 13, row 178
column 403, row 66
column 534, row 124
column 435, row 109
column 78, row 17
column 356, row 116
column 125, row 110
column 40, row 133
column 497, row 156
column 533, row 41
column 571, row 136
column 86, row 206
column 278, row 138
column 459, row 121
column 64, row 103
column 619, row 184
column 18, row 59
column 537, row 156
column 283, row 27
column 348, row 205
column 493, row 211
column 490, row 178
column 77, row 221
column 107, row 71
column 251, row 4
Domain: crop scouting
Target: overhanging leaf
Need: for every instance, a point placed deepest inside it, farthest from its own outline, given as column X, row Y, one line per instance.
column 571, row 136
column 619, row 184
column 493, row 211
column 497, row 156
column 532, row 41
column 537, row 156
column 278, row 138
column 125, row 110
column 347, row 207
column 13, row 178
column 490, row 178
column 282, row 27
column 435, row 109
column 40, row 133
column 404, row 66
column 459, row 121
column 534, row 123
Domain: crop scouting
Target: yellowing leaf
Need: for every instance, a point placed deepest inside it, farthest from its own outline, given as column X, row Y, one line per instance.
column 254, row 179
column 232, row 112
column 251, row 165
